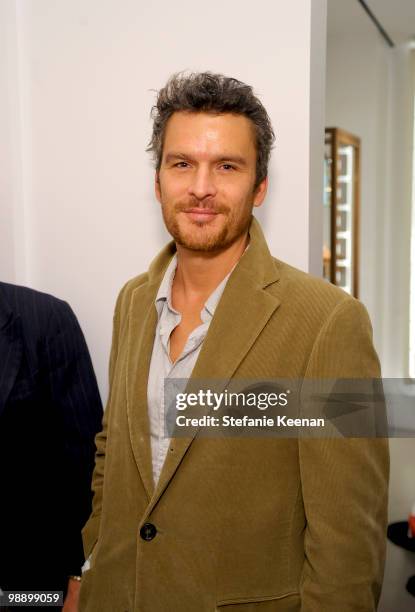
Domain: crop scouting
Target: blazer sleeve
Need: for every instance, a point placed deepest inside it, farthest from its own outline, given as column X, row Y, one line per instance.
column 91, row 529
column 344, row 482
column 75, row 395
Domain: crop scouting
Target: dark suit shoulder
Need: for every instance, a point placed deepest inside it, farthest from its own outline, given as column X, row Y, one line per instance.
column 35, row 308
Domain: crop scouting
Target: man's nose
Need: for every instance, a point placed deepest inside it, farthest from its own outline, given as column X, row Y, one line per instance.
column 202, row 184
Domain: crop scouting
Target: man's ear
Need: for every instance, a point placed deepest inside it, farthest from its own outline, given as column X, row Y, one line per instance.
column 157, row 187
column 260, row 192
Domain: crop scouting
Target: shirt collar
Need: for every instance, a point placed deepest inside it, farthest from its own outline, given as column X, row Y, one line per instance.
column 164, row 292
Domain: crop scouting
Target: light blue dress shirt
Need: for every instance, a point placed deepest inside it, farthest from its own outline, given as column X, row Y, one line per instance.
column 161, row 366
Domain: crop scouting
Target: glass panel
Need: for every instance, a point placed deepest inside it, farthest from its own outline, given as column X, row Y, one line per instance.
column 340, row 165
column 344, row 217
column 327, row 213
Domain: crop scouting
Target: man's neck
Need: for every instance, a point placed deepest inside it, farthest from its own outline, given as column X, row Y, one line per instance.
column 199, row 273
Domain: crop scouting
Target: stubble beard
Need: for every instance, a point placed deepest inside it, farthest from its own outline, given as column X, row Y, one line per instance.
column 207, row 240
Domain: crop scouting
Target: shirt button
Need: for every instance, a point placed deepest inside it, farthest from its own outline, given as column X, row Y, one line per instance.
column 148, row 531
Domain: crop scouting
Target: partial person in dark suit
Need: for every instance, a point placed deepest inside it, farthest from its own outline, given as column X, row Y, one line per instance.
column 50, row 411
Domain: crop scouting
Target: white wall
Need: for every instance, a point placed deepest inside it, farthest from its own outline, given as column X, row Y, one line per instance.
column 6, row 159
column 397, row 224
column 11, row 201
column 86, row 71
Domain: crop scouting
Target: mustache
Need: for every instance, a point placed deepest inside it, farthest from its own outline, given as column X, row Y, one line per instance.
column 217, row 208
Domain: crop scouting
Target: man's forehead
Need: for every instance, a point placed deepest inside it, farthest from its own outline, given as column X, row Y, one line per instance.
column 208, row 131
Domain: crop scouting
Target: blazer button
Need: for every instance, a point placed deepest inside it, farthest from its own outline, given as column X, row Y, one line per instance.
column 148, row 531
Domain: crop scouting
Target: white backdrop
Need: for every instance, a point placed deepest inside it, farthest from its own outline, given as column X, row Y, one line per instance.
column 78, row 76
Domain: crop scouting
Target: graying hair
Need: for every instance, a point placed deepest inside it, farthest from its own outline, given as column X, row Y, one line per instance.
column 217, row 94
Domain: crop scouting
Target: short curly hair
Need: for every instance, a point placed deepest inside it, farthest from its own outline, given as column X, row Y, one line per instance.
column 212, row 93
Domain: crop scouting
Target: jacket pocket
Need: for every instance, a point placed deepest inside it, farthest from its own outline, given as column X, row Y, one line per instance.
column 90, row 561
column 286, row 602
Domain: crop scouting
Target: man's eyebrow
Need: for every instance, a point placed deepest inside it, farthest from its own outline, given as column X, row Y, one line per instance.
column 237, row 159
column 171, row 156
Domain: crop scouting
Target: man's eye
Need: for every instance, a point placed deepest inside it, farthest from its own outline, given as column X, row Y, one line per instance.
column 181, row 164
column 228, row 167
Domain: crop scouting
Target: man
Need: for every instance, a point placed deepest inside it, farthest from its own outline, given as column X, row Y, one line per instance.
column 223, row 523
column 50, row 412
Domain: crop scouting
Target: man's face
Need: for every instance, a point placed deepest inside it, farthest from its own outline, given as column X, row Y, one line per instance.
column 206, row 180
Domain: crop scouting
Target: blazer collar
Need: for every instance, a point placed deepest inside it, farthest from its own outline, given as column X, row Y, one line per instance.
column 245, row 303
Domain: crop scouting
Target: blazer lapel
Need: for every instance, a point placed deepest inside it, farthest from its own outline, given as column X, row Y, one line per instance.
column 241, row 315
column 141, row 332
column 10, row 350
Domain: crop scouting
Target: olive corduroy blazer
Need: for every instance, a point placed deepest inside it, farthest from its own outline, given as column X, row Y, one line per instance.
column 241, row 524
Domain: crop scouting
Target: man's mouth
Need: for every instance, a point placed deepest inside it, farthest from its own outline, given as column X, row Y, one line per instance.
column 201, row 215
